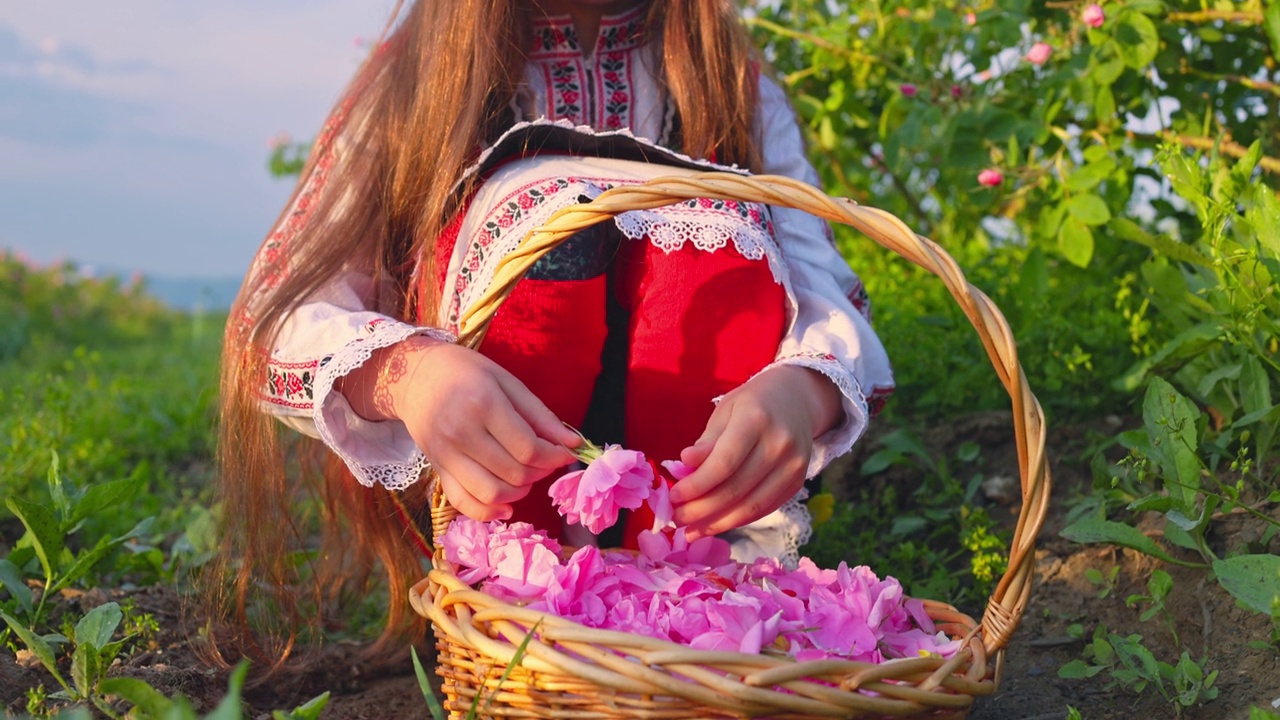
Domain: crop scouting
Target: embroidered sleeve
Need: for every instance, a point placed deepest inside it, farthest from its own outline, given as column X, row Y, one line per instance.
column 327, row 336
column 831, row 332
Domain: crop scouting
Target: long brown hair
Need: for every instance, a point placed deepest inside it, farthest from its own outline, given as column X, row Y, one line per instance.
column 374, row 195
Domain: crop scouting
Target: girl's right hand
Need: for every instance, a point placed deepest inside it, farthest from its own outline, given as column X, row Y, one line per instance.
column 487, row 436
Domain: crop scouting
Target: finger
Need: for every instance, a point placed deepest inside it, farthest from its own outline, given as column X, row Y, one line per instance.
column 539, row 417
column 494, row 455
column 696, row 454
column 717, row 423
column 520, row 442
column 458, row 496
column 697, row 512
column 483, row 486
column 731, row 450
column 780, row 484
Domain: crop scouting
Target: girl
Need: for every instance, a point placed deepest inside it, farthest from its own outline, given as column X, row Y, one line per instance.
column 729, row 335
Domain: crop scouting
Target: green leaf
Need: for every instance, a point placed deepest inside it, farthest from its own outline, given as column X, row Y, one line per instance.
column 11, row 580
column 1255, row 386
column 1271, row 21
column 56, row 491
column 86, row 561
column 1075, row 241
column 84, row 668
column 1229, row 371
column 1170, row 421
column 1126, row 229
column 433, row 704
column 1264, row 217
column 1254, row 580
column 46, row 537
column 1106, row 73
column 38, row 646
column 1188, row 342
column 1133, row 654
column 149, row 701
column 1180, row 537
column 101, row 496
column 1089, row 209
column 229, row 708
column 1138, row 40
column 310, row 710
column 99, row 625
column 1094, row 530
column 1271, row 414
column 1147, row 7
column 1187, row 179
column 1181, row 520
column 827, row 137
column 1087, row 177
column 1243, row 168
column 1157, row 502
column 1104, row 104
column 1079, row 670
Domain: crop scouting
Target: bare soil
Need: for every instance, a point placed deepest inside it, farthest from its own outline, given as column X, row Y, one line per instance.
column 1209, row 625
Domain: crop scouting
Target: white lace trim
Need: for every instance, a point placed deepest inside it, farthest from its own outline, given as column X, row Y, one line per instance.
column 394, row 475
column 837, row 441
column 780, row 534
column 669, row 228
column 510, row 240
column 798, row 528
column 588, row 130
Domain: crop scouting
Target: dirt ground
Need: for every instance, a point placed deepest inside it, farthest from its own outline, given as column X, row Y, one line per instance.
column 1207, row 620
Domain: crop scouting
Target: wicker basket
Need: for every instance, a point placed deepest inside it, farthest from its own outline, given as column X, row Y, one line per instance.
column 571, row 671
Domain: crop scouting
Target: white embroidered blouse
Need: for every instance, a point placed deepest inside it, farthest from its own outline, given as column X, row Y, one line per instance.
column 613, row 90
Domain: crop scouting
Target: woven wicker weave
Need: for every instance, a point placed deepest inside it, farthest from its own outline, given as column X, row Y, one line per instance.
column 571, row 671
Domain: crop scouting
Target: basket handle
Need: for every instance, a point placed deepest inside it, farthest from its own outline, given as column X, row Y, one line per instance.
column 1009, row 599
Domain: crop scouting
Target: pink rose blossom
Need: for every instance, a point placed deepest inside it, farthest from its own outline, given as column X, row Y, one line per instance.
column 1040, row 53
column 990, row 177
column 522, row 559
column 691, row 593
column 618, row 478
column 660, row 503
column 660, row 499
column 970, row 19
column 708, row 551
column 737, row 623
column 907, row 89
column 1093, row 16
column 466, row 544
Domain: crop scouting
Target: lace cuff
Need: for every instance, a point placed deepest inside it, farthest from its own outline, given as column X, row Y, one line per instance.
column 375, row 452
column 780, row 534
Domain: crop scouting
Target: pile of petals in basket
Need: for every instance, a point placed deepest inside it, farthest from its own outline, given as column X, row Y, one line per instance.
column 691, row 593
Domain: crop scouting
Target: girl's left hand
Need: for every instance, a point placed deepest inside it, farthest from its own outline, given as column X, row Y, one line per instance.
column 754, row 453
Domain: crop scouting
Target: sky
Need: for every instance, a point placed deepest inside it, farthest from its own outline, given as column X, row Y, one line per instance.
column 134, row 133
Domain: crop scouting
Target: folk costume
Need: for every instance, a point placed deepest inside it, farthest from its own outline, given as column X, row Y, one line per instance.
column 653, row 316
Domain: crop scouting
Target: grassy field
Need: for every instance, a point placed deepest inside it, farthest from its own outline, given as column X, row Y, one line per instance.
column 109, row 511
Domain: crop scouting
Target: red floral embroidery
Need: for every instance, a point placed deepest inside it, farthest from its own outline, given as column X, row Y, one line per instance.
column 506, row 213
column 290, row 384
column 595, row 91
column 876, row 400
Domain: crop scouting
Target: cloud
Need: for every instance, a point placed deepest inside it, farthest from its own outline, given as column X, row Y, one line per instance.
column 42, row 113
column 133, row 133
